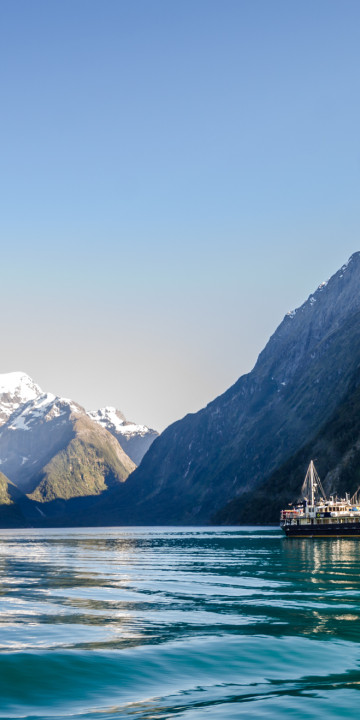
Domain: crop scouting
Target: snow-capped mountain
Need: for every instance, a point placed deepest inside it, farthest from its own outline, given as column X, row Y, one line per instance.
column 35, row 426
column 33, row 433
column 134, row 439
column 16, row 389
column 43, row 408
column 54, row 460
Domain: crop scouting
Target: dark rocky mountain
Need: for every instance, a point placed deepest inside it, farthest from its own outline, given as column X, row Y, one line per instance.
column 230, row 448
column 336, row 449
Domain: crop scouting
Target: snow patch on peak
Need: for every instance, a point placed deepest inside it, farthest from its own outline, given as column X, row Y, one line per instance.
column 16, row 389
column 73, row 406
column 43, row 408
column 112, row 419
column 33, row 410
column 108, row 416
column 134, row 439
column 18, row 384
column 43, row 400
column 291, row 314
column 133, row 429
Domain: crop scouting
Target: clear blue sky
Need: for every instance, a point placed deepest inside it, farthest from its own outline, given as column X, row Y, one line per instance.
column 175, row 176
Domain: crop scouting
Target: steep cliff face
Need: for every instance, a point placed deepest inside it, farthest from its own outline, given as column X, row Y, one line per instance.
column 238, row 440
column 336, row 447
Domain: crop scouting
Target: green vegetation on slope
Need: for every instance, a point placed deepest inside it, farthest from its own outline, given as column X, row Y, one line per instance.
column 5, row 497
column 92, row 462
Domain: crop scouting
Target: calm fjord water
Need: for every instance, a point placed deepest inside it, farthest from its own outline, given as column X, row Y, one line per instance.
column 178, row 623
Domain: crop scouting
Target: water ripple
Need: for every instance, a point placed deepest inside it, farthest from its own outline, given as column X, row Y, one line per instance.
column 168, row 622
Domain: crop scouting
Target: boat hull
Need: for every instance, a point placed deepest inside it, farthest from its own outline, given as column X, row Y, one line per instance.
column 312, row 531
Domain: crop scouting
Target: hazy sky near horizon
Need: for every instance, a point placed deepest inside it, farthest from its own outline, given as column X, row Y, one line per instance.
column 175, row 177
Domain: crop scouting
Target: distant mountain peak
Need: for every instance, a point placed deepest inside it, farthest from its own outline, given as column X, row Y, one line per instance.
column 135, row 439
column 26, row 413
column 108, row 414
column 16, row 389
column 14, row 381
column 111, row 416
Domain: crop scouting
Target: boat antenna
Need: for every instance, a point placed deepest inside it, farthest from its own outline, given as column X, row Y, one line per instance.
column 312, row 485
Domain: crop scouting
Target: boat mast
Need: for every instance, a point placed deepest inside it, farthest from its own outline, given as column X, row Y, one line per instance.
column 312, row 488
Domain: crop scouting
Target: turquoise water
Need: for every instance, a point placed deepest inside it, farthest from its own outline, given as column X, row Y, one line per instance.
column 178, row 623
